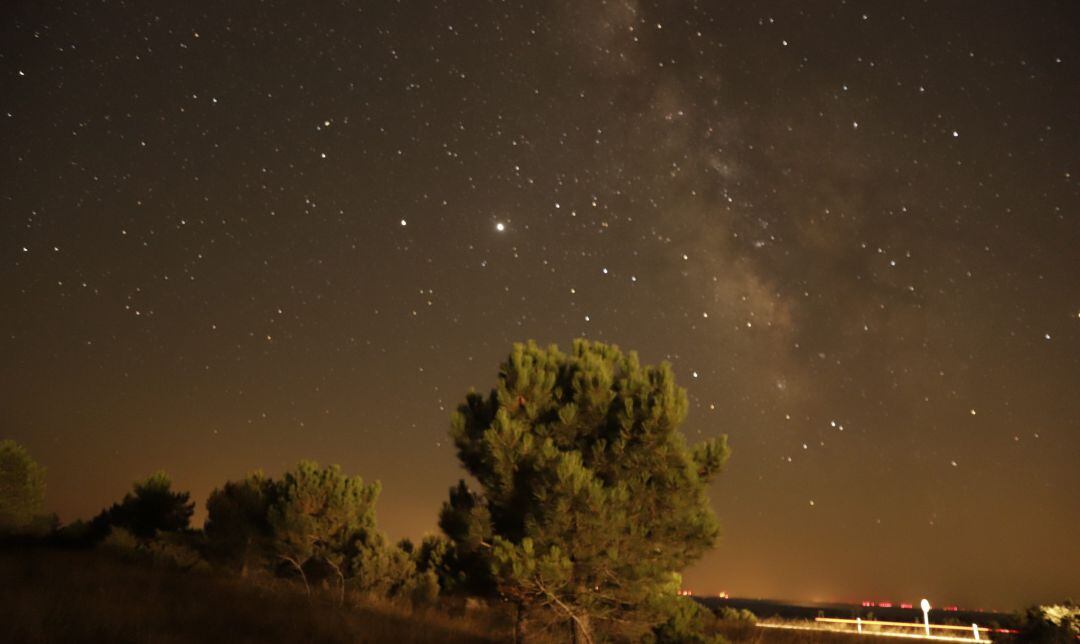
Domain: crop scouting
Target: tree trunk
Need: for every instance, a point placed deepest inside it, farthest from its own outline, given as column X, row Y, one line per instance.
column 244, row 559
column 341, row 579
column 582, row 629
column 519, row 624
column 299, row 569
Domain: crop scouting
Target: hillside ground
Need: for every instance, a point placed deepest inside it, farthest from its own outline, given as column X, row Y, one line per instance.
column 90, row 596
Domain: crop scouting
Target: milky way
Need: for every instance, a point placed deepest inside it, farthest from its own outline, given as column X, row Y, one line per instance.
column 240, row 234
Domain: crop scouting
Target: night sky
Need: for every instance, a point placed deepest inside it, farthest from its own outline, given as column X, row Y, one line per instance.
column 238, row 234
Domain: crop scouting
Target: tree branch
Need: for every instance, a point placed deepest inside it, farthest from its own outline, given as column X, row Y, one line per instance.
column 569, row 611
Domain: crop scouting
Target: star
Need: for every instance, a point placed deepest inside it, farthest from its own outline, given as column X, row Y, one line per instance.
column 850, row 258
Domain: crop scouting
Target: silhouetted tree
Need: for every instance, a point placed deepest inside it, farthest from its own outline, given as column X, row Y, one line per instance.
column 151, row 507
column 591, row 500
column 22, row 488
column 465, row 566
column 238, row 524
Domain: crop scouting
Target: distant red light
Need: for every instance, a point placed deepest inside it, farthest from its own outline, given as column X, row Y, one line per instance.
column 885, row 604
column 904, row 605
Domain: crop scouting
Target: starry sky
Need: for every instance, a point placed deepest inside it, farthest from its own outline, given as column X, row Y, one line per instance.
column 240, row 234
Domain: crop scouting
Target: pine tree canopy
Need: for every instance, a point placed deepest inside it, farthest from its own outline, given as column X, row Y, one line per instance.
column 321, row 512
column 592, row 498
column 321, row 522
column 22, row 487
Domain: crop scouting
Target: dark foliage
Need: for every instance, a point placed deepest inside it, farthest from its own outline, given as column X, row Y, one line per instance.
column 150, row 508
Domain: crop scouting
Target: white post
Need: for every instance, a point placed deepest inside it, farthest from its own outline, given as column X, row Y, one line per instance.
column 925, row 605
column 975, row 627
column 858, row 623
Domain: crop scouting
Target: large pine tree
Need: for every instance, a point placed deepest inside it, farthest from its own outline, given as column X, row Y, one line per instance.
column 591, row 502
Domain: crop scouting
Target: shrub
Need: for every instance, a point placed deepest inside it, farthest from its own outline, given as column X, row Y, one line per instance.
column 689, row 623
column 1051, row 623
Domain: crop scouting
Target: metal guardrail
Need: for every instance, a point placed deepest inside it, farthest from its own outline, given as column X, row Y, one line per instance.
column 949, row 632
column 975, row 630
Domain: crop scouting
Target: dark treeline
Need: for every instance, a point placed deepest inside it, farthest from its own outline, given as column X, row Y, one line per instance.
column 314, row 524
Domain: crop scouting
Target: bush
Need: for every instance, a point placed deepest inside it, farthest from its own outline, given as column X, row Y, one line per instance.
column 737, row 624
column 729, row 614
column 425, row 589
column 690, row 623
column 175, row 550
column 1050, row 623
column 120, row 542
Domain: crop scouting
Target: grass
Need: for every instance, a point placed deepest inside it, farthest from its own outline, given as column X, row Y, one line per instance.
column 90, row 596
column 54, row 595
